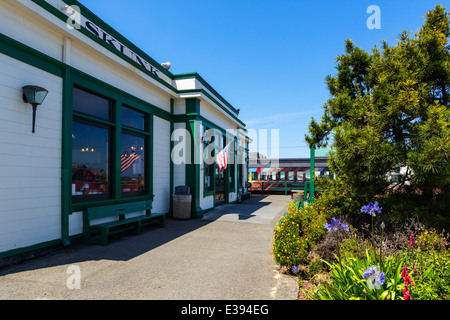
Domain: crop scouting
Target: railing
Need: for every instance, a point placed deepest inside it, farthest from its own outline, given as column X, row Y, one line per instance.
column 285, row 187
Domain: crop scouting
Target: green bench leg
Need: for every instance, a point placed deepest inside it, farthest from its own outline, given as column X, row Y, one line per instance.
column 86, row 237
column 104, row 237
column 137, row 228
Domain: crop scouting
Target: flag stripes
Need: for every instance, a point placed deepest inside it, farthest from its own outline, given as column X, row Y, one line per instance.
column 126, row 162
column 222, row 157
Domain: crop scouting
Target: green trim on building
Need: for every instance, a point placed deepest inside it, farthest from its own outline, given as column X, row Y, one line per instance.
column 42, row 245
column 28, row 55
column 172, row 168
column 193, row 167
column 66, row 156
column 206, row 85
column 192, row 106
column 204, row 92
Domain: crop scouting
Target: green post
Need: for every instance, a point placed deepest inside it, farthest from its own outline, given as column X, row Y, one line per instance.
column 311, row 174
column 193, row 167
column 305, row 192
column 171, row 183
column 66, row 157
column 285, row 188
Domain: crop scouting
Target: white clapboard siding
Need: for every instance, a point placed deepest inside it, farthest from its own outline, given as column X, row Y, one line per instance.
column 30, row 164
column 30, row 29
column 128, row 80
column 161, row 165
column 212, row 113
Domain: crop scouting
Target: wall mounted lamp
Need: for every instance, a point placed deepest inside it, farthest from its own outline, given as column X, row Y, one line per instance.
column 35, row 96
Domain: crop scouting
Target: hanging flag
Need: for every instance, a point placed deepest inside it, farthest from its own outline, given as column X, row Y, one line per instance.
column 222, row 157
column 126, row 162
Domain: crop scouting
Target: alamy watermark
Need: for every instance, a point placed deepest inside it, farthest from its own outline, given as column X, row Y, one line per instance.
column 74, row 280
column 374, row 21
column 209, row 142
column 74, row 17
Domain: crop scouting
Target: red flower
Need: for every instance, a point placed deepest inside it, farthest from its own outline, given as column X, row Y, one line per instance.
column 407, row 296
column 407, row 280
column 411, row 239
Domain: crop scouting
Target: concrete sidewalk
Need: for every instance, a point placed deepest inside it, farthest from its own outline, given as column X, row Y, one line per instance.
column 224, row 255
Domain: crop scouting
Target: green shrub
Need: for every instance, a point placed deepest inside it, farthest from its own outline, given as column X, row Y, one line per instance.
column 296, row 234
column 338, row 199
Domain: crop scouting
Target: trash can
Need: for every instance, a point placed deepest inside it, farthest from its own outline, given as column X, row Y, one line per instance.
column 182, row 203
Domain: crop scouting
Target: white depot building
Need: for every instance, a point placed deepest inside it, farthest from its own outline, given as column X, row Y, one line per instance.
column 114, row 131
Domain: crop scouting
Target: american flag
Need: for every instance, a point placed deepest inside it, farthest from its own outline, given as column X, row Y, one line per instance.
column 126, row 162
column 222, row 157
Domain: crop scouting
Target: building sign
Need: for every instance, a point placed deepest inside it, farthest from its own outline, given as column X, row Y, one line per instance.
column 77, row 21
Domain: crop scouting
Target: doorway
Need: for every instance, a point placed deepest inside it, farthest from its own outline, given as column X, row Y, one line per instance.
column 220, row 187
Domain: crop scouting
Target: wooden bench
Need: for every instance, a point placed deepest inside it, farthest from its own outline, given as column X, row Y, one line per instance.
column 98, row 233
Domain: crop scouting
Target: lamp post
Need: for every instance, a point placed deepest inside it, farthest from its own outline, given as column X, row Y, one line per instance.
column 35, row 96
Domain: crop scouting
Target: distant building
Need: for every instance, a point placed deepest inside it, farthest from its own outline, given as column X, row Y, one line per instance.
column 256, row 155
column 284, row 174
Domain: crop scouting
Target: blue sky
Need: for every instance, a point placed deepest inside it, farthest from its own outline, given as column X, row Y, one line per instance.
column 267, row 58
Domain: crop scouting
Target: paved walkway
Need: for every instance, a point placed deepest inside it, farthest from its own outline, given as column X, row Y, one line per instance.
column 224, row 255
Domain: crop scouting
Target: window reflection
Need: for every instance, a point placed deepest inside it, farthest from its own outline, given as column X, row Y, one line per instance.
column 90, row 164
column 132, row 162
column 133, row 119
column 91, row 104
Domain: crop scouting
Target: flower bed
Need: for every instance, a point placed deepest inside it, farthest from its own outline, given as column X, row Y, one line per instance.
column 381, row 261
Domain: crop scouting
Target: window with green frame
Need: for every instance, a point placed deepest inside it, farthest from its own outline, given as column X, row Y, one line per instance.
column 108, row 135
column 133, row 152
column 91, row 146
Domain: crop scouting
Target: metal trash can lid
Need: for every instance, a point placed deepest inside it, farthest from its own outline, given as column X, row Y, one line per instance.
column 182, row 190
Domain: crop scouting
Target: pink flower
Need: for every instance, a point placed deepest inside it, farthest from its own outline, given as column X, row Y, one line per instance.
column 411, row 239
column 407, row 296
column 407, row 280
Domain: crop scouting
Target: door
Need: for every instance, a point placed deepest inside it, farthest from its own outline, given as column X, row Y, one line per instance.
column 220, row 187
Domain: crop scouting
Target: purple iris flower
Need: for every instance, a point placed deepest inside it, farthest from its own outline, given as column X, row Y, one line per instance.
column 371, row 208
column 375, row 278
column 295, row 269
column 336, row 224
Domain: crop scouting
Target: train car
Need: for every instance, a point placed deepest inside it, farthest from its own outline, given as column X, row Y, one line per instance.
column 286, row 177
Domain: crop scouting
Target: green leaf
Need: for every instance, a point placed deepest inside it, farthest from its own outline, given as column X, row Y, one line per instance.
column 384, row 295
